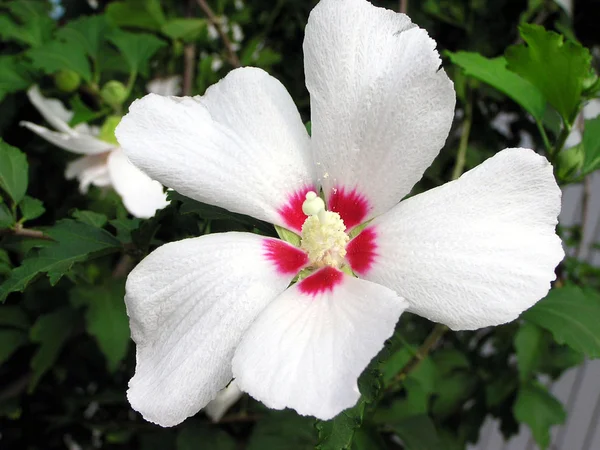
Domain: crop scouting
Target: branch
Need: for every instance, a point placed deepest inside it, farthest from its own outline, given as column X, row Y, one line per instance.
column 430, row 342
column 461, row 155
column 403, row 6
column 18, row 230
column 123, row 267
column 210, row 15
column 189, row 59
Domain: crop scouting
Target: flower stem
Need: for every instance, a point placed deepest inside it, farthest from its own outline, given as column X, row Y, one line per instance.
column 461, row 155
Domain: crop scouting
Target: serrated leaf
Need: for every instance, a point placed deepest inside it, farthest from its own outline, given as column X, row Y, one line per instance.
column 571, row 315
column 539, row 409
column 13, row 76
column 33, row 25
column 557, row 68
column 337, row 433
column 58, row 55
column 529, row 344
column 31, row 208
column 105, row 318
column 50, row 331
column 591, row 146
column 124, row 228
column 74, row 242
column 186, row 29
column 90, row 217
column 87, row 31
column 494, row 72
column 13, row 171
column 418, row 433
column 136, row 48
column 10, row 342
column 283, row 430
column 195, row 436
column 145, row 14
column 5, row 264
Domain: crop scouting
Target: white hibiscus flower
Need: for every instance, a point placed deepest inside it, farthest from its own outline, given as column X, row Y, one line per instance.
column 104, row 163
column 472, row 253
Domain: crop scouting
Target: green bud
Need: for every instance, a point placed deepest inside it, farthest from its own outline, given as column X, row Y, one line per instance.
column 66, row 80
column 569, row 161
column 114, row 93
column 107, row 132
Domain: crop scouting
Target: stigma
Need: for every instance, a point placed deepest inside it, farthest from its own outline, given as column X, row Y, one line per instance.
column 323, row 234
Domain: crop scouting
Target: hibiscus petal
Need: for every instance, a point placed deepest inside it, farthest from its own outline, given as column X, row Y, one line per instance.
column 141, row 195
column 224, row 400
column 307, row 348
column 90, row 169
column 51, row 109
column 474, row 252
column 75, row 142
column 242, row 146
column 381, row 108
column 189, row 302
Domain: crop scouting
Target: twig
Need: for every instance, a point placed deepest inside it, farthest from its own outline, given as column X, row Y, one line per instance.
column 461, row 155
column 18, row 230
column 430, row 342
column 189, row 58
column 210, row 15
column 403, row 6
column 123, row 267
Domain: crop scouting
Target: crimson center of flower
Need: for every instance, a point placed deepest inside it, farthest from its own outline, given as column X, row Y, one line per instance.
column 323, row 234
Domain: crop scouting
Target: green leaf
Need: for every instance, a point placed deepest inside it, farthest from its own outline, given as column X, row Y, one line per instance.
column 571, row 315
column 10, row 342
column 557, row 68
column 5, row 264
column 197, row 436
column 137, row 48
column 539, row 409
column 7, row 219
column 288, row 236
column 415, row 402
column 31, row 208
column 74, row 242
column 184, row 29
column 57, row 55
column 125, row 227
column 145, row 14
column 33, row 26
column 90, row 217
column 105, row 318
column 81, row 112
column 14, row 316
column 591, row 145
column 13, row 171
column 529, row 344
column 87, row 31
column 283, row 430
column 418, row 433
column 50, row 331
column 337, row 433
column 13, row 76
column 495, row 73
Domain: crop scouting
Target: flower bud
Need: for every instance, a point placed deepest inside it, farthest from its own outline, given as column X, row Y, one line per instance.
column 569, row 161
column 114, row 93
column 66, row 80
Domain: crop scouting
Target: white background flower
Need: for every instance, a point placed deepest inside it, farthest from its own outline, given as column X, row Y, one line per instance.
column 472, row 253
column 103, row 164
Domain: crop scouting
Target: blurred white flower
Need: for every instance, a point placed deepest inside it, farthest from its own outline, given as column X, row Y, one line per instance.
column 103, row 164
column 224, row 400
column 216, row 63
column 165, row 86
column 473, row 253
column 237, row 33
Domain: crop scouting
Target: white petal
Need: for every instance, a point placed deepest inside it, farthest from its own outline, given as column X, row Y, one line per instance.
column 165, row 86
column 381, row 108
column 242, row 146
column 141, row 195
column 74, row 141
column 51, row 109
column 189, row 302
column 477, row 251
column 224, row 400
column 307, row 348
column 91, row 169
